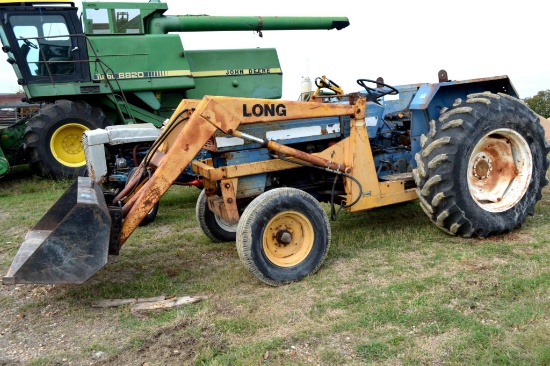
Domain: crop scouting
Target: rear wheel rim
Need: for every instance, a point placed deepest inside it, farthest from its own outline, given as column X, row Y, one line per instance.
column 288, row 238
column 499, row 170
column 66, row 145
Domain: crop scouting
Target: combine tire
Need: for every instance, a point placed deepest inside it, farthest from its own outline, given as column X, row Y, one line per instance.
column 283, row 236
column 482, row 166
column 53, row 140
column 211, row 225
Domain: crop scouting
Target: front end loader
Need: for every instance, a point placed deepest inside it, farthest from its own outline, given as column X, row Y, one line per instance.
column 470, row 151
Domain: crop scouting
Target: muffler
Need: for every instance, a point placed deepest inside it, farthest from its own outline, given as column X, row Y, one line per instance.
column 70, row 243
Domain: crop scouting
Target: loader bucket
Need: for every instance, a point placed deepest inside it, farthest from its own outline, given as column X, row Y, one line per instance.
column 70, row 243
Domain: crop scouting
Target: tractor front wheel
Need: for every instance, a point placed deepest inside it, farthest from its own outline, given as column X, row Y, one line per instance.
column 211, row 225
column 53, row 139
column 482, row 166
column 283, row 236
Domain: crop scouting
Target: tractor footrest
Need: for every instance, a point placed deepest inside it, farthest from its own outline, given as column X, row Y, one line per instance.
column 393, row 177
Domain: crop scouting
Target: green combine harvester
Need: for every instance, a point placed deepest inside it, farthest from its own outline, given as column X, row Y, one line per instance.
column 120, row 64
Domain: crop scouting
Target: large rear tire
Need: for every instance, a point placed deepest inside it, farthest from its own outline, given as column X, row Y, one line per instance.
column 211, row 225
column 482, row 166
column 283, row 236
column 53, row 139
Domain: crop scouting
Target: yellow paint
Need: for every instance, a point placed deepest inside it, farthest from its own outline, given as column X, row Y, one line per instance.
column 298, row 229
column 241, row 170
column 229, row 190
column 66, row 145
column 213, row 114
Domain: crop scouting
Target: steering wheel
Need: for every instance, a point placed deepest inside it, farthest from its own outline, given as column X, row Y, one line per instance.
column 29, row 43
column 376, row 93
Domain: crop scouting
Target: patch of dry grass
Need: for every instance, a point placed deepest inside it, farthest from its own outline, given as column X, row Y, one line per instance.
column 393, row 290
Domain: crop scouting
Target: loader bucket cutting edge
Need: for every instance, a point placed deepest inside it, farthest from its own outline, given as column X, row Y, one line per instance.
column 69, row 244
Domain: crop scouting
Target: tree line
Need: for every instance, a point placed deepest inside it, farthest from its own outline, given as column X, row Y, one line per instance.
column 540, row 103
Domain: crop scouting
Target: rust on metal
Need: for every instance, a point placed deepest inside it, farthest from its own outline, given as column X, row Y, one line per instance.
column 225, row 114
column 301, row 155
column 183, row 147
column 494, row 169
column 230, row 209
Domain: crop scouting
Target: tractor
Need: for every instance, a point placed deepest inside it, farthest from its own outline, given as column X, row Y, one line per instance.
column 470, row 152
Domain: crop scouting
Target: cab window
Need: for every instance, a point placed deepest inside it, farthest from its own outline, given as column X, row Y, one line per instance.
column 44, row 43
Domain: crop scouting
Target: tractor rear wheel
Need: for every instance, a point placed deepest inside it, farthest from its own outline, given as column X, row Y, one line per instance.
column 53, row 139
column 283, row 236
column 482, row 166
column 211, row 225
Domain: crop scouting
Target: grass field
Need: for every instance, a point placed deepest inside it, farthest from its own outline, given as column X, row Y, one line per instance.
column 394, row 290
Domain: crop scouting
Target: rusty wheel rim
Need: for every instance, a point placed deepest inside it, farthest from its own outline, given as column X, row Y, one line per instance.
column 499, row 170
column 288, row 238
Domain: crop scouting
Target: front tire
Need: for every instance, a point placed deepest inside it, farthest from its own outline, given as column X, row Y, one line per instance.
column 482, row 166
column 53, row 139
column 283, row 236
column 211, row 225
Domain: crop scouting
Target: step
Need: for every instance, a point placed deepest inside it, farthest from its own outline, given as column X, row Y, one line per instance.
column 393, row 177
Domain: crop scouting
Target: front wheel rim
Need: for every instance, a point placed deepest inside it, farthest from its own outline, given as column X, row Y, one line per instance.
column 224, row 225
column 288, row 239
column 66, row 145
column 499, row 170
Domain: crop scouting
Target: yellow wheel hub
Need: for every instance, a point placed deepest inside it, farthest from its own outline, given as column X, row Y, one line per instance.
column 288, row 239
column 66, row 145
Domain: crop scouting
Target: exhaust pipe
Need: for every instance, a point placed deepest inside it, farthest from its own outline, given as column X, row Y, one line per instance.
column 70, row 243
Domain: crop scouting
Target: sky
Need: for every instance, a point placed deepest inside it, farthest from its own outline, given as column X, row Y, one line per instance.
column 403, row 41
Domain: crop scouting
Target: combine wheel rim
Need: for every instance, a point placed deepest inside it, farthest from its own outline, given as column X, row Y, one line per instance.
column 66, row 145
column 53, row 137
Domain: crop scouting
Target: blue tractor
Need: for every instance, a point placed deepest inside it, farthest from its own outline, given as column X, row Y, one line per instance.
column 471, row 152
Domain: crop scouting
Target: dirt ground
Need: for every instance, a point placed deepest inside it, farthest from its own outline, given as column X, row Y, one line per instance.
column 59, row 334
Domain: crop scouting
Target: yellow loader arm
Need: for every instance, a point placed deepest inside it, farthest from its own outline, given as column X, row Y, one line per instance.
column 73, row 240
column 224, row 114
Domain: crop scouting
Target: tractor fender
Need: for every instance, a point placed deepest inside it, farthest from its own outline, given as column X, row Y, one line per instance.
column 433, row 99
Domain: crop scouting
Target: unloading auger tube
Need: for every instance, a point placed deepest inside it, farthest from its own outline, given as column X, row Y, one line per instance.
column 207, row 23
column 58, row 252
